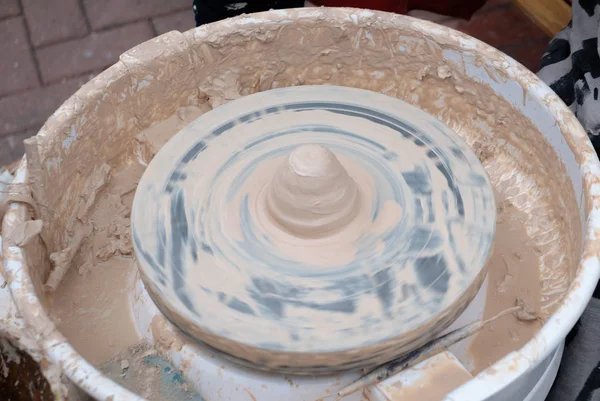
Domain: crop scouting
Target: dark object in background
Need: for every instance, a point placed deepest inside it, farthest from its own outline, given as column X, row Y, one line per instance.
column 394, row 6
column 207, row 11
column 453, row 8
column 23, row 380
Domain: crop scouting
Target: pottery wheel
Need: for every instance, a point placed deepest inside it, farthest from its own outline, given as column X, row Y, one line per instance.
column 313, row 229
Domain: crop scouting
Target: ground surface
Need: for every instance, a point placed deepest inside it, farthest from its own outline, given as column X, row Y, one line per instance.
column 49, row 48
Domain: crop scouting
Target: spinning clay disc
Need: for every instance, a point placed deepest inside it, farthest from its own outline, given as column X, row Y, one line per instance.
column 313, row 229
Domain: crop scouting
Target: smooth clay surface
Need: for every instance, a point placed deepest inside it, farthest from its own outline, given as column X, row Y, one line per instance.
column 429, row 381
column 338, row 257
column 540, row 238
column 312, row 195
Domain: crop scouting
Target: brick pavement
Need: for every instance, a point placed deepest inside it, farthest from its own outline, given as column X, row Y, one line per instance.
column 49, row 48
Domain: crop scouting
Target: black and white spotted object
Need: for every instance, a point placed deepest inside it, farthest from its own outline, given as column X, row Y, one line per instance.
column 571, row 66
column 207, row 11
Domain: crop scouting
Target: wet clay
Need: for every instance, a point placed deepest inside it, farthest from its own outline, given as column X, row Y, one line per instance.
column 92, row 309
column 156, row 136
column 24, row 232
column 439, row 376
column 312, row 195
column 91, row 301
column 386, row 55
column 342, row 209
column 313, row 215
column 513, row 273
column 91, row 304
column 163, row 339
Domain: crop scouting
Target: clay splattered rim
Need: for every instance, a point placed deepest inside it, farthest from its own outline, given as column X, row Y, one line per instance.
column 487, row 383
column 510, row 368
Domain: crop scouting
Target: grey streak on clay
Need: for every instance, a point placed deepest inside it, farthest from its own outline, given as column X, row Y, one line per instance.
column 230, row 161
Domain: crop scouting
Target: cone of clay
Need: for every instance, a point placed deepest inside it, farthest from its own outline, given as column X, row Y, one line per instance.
column 311, row 194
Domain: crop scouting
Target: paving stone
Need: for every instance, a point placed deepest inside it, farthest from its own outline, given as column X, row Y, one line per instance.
column 9, row 8
column 106, row 13
column 502, row 27
column 12, row 148
column 94, row 52
column 6, row 157
column 528, row 54
column 59, row 27
column 29, row 110
column 181, row 21
column 17, row 69
column 51, row 21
